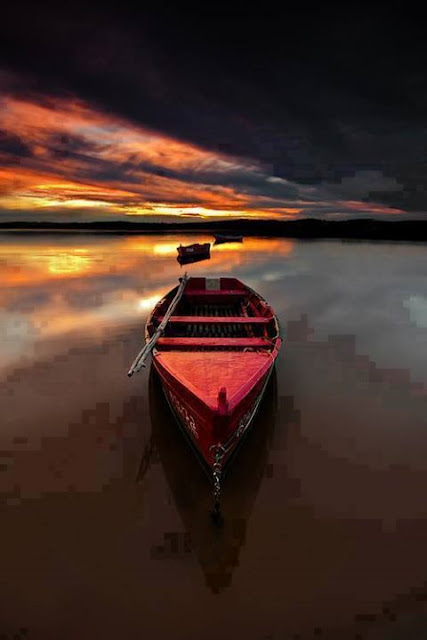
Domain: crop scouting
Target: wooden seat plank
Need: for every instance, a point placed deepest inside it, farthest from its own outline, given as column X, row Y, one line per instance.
column 216, row 292
column 215, row 342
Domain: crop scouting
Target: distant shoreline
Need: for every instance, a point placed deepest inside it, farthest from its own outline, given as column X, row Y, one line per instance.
column 353, row 229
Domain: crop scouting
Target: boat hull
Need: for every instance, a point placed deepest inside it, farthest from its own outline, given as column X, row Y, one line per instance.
column 194, row 250
column 214, row 361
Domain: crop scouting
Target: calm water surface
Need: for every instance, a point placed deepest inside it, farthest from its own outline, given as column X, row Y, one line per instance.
column 104, row 512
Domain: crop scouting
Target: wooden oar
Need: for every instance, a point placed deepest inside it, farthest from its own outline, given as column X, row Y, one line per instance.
column 139, row 361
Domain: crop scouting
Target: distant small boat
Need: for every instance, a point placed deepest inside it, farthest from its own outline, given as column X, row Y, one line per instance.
column 221, row 238
column 194, row 250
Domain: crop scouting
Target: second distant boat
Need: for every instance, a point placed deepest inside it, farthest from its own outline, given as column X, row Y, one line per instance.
column 221, row 238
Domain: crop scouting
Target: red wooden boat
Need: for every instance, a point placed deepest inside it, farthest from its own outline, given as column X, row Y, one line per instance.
column 216, row 342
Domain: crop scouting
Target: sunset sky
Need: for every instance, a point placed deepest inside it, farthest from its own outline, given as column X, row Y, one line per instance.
column 152, row 116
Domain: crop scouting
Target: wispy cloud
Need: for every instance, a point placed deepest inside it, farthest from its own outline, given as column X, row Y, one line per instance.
column 63, row 159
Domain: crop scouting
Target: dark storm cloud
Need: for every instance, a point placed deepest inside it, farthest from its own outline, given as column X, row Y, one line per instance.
column 12, row 148
column 317, row 96
column 245, row 180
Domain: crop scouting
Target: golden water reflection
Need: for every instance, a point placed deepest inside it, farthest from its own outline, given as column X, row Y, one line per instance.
column 89, row 283
column 60, row 257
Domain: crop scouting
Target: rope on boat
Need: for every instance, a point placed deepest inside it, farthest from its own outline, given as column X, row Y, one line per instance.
column 140, row 359
column 218, row 452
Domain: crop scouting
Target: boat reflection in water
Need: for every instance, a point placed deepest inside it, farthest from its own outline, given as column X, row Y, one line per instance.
column 191, row 259
column 216, row 549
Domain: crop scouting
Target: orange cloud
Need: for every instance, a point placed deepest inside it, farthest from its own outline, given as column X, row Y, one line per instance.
column 81, row 158
column 78, row 159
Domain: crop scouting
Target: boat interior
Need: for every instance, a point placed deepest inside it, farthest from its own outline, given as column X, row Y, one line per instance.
column 216, row 314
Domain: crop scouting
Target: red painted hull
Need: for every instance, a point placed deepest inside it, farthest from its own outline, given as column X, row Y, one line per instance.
column 213, row 378
column 202, row 424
